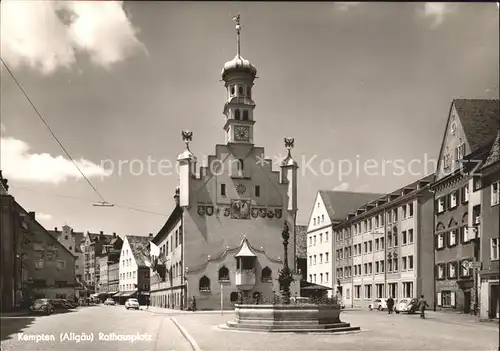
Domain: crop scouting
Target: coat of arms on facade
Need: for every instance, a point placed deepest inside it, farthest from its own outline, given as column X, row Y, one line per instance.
column 270, row 214
column 262, row 212
column 227, row 211
column 201, row 210
column 278, row 213
column 255, row 212
column 240, row 209
column 209, row 210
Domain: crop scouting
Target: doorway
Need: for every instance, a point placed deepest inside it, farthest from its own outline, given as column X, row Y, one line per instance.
column 467, row 299
column 494, row 301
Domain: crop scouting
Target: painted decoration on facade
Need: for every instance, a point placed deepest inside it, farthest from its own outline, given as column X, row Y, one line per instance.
column 262, row 212
column 201, row 210
column 227, row 212
column 270, row 214
column 209, row 210
column 241, row 189
column 240, row 209
column 278, row 213
column 255, row 212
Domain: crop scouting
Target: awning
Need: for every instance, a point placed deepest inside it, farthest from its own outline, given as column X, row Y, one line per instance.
column 112, row 292
column 118, row 294
column 128, row 293
column 312, row 286
column 145, row 293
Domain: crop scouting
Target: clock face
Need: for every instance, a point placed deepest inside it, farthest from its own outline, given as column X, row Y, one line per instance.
column 241, row 133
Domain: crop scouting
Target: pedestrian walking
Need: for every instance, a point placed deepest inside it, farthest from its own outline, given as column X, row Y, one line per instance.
column 147, row 304
column 390, row 304
column 194, row 304
column 422, row 304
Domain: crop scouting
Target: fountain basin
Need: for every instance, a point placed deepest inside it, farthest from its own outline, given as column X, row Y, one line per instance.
column 304, row 318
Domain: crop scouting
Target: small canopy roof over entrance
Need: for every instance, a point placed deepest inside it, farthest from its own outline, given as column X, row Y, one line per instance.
column 245, row 249
column 312, row 286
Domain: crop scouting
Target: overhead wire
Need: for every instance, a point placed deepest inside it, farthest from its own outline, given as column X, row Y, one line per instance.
column 50, row 130
column 103, row 202
column 90, row 201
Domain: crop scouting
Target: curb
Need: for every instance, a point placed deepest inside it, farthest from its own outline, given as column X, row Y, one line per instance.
column 186, row 335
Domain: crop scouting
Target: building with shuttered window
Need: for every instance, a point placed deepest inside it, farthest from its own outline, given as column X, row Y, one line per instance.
column 470, row 131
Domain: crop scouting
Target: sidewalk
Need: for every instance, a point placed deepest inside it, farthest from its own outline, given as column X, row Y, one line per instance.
column 14, row 314
column 169, row 311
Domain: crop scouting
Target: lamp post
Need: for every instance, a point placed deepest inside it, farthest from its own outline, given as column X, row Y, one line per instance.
column 285, row 277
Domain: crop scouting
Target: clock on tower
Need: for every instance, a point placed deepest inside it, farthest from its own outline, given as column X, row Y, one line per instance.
column 241, row 133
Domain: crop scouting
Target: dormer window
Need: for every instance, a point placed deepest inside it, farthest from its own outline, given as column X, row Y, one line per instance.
column 237, row 114
column 460, row 151
column 245, row 115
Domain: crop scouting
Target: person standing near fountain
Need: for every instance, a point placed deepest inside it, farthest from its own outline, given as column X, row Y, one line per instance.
column 390, row 304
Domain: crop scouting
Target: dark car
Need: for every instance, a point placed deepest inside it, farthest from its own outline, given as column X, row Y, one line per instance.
column 43, row 306
column 406, row 305
column 59, row 305
column 71, row 304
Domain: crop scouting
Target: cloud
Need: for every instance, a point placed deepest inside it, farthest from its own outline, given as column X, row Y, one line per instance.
column 437, row 11
column 46, row 35
column 346, row 6
column 43, row 216
column 343, row 186
column 18, row 163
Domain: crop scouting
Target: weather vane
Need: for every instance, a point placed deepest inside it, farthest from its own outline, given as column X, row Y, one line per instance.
column 289, row 143
column 238, row 29
column 187, row 137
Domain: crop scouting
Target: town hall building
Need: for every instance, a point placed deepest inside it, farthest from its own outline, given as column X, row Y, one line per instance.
column 224, row 237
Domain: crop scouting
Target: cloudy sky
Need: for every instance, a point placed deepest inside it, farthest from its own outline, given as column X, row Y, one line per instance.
column 350, row 82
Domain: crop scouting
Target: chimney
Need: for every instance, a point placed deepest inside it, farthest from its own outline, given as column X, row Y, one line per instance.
column 150, row 235
column 114, row 235
column 32, row 215
column 102, row 232
column 71, row 230
column 55, row 229
column 177, row 195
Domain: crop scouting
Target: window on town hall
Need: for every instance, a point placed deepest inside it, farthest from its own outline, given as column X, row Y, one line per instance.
column 223, row 189
column 223, row 273
column 410, row 262
column 245, row 115
column 495, row 194
column 494, row 255
column 240, row 90
column 232, row 89
column 266, row 274
column 204, row 284
column 237, row 114
column 257, row 191
column 410, row 236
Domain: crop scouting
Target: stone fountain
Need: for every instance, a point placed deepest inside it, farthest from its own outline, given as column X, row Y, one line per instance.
column 280, row 315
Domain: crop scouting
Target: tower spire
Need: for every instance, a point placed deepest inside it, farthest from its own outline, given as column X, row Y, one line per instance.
column 238, row 30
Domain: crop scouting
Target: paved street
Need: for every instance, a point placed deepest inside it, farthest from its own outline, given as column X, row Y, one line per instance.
column 379, row 331
column 161, row 330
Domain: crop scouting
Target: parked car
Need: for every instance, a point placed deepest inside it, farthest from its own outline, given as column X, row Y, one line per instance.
column 42, row 306
column 378, row 304
column 70, row 304
column 109, row 301
column 132, row 303
column 406, row 306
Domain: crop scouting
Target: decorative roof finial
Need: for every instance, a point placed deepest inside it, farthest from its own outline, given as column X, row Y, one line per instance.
column 289, row 143
column 238, row 29
column 187, row 137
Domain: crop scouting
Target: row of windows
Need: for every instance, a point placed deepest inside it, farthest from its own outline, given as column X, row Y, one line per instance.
column 407, row 264
column 128, row 275
column 452, row 200
column 241, row 115
column 316, row 220
column 312, row 238
column 223, row 191
column 312, row 259
column 323, row 278
column 130, row 287
column 40, row 264
column 171, row 243
column 452, row 270
column 458, row 155
column 224, row 276
column 378, row 220
column 240, row 90
column 367, row 292
column 455, row 236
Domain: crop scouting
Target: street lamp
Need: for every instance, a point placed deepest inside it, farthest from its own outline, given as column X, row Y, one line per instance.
column 285, row 277
column 475, row 265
